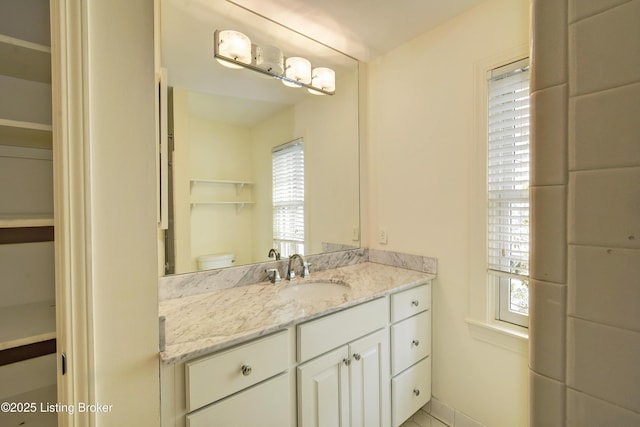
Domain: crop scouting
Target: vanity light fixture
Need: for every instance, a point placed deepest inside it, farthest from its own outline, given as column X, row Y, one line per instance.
column 233, row 47
column 297, row 70
column 323, row 78
column 230, row 49
column 270, row 58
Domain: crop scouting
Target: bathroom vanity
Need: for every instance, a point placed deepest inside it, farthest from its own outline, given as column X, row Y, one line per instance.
column 268, row 355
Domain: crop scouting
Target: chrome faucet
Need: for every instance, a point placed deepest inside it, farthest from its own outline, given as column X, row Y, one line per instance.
column 305, row 267
column 274, row 253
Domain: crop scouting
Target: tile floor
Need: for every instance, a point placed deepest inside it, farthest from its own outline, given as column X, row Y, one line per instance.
column 422, row 419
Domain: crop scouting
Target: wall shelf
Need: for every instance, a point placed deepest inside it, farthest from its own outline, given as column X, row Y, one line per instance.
column 221, row 181
column 26, row 324
column 238, row 204
column 24, row 59
column 239, row 184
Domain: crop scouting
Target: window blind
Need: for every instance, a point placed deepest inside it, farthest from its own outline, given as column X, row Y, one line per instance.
column 288, row 197
column 508, row 169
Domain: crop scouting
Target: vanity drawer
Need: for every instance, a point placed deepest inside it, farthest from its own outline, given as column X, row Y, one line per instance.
column 410, row 341
column 412, row 301
column 319, row 336
column 410, row 391
column 268, row 404
column 214, row 377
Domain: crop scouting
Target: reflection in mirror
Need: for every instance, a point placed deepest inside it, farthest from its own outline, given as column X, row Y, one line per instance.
column 228, row 126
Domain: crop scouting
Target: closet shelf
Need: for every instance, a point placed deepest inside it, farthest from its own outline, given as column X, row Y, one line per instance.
column 26, row 229
column 21, row 221
column 24, row 59
column 25, row 134
column 27, row 324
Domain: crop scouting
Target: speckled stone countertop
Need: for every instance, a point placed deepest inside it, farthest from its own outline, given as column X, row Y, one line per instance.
column 200, row 324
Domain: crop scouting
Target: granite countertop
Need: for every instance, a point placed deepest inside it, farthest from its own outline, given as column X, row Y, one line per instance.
column 200, row 324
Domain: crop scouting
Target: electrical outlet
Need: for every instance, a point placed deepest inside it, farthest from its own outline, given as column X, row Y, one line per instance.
column 355, row 236
column 382, row 236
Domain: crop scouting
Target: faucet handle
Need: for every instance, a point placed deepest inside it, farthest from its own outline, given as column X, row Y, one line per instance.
column 273, row 275
column 305, row 269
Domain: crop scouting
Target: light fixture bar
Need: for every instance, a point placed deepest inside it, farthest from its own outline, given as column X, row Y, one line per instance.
column 217, row 55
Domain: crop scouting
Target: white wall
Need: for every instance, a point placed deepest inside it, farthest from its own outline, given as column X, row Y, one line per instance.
column 422, row 119
column 120, row 152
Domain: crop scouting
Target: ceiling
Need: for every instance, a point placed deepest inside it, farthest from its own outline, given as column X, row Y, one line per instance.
column 362, row 29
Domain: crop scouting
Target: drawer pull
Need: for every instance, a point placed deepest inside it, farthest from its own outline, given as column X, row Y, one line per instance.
column 415, row 342
column 246, row 370
column 356, row 356
column 346, row 361
column 415, row 303
column 416, row 392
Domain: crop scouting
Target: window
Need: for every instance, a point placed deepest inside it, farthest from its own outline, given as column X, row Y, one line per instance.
column 288, row 197
column 508, row 190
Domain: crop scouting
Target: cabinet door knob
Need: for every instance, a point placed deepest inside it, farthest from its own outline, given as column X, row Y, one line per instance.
column 356, row 356
column 347, row 361
column 246, row 370
column 415, row 342
column 416, row 392
column 415, row 303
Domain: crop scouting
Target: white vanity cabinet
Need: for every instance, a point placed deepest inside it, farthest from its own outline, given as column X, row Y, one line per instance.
column 410, row 352
column 368, row 365
column 348, row 386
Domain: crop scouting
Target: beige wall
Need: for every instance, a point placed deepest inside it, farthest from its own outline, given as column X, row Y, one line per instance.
column 421, row 145
column 586, row 203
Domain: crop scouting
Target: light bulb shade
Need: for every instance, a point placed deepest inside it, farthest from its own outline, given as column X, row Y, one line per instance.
column 323, row 78
column 270, row 58
column 298, row 69
column 234, row 45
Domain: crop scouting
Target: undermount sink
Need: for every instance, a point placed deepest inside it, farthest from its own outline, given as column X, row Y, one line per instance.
column 314, row 289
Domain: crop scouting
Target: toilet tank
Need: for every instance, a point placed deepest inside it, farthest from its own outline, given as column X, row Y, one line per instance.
column 209, row 261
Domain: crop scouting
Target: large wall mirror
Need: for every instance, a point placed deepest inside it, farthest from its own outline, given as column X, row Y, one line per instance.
column 230, row 127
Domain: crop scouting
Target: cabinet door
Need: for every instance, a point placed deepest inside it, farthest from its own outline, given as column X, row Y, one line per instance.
column 323, row 390
column 370, row 380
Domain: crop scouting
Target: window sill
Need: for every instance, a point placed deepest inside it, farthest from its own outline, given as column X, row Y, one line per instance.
column 507, row 336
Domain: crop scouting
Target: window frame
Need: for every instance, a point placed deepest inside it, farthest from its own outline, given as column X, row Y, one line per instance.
column 500, row 280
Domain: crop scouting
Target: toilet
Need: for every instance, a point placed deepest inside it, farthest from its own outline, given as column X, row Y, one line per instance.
column 209, row 261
